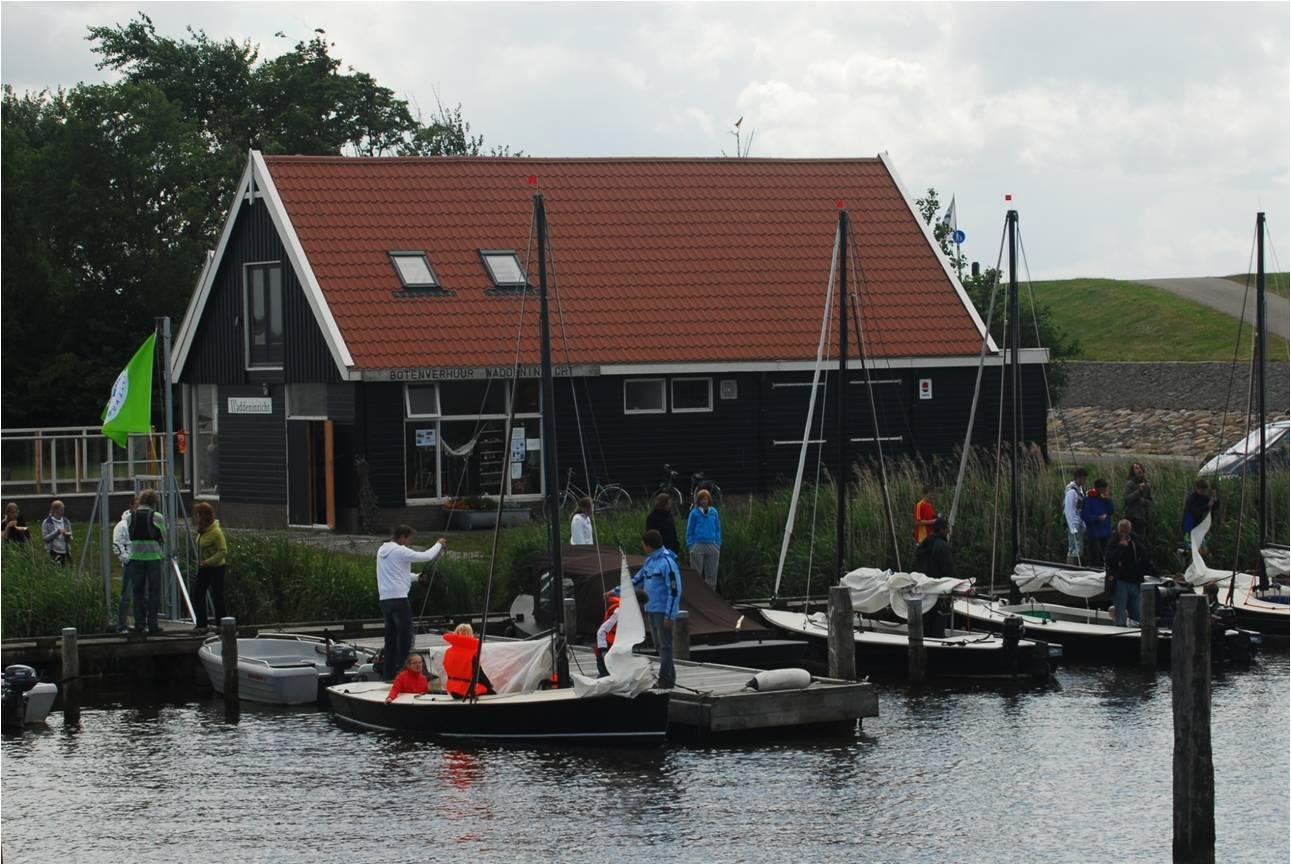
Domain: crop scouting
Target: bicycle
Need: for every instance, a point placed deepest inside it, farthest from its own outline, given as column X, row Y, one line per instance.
column 668, row 487
column 605, row 497
column 697, row 483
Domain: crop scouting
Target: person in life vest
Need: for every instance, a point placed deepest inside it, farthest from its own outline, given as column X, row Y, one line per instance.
column 459, row 663
column 609, row 629
column 147, row 551
column 411, row 679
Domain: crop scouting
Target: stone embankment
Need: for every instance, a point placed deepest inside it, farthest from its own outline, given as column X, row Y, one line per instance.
column 1183, row 410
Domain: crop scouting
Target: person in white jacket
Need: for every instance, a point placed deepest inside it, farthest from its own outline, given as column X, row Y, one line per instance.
column 1073, row 503
column 580, row 527
column 394, row 579
column 121, row 549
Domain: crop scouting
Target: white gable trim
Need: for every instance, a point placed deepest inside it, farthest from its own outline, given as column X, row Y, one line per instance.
column 941, row 256
column 256, row 183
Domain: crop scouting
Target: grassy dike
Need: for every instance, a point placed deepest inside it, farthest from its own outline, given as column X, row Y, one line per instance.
column 273, row 579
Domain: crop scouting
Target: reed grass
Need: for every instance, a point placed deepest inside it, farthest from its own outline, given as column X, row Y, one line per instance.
column 38, row 597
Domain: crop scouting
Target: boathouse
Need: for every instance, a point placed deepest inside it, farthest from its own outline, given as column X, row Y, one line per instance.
column 350, row 343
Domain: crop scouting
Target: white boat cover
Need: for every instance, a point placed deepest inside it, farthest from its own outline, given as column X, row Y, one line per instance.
column 513, row 668
column 1197, row 573
column 630, row 673
column 1277, row 561
column 872, row 589
column 1076, row 582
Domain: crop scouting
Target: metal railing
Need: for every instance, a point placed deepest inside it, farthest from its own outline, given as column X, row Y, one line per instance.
column 70, row 460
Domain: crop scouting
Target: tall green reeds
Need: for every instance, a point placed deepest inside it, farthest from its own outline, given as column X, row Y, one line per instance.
column 40, row 597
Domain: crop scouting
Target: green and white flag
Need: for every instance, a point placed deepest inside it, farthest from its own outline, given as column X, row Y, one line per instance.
column 129, row 409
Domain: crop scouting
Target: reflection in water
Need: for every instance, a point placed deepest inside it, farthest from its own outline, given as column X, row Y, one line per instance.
column 968, row 774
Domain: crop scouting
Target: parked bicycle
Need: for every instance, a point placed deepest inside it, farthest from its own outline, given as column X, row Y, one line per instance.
column 668, row 487
column 699, row 482
column 605, row 497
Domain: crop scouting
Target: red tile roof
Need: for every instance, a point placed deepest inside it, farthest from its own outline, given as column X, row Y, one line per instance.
column 656, row 260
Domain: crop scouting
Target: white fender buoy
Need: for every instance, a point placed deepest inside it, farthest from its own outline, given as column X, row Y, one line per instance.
column 787, row 679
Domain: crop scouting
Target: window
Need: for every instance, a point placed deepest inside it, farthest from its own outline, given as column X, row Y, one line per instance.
column 414, row 270
column 643, row 396
column 307, row 401
column 422, row 400
column 504, row 268
column 264, row 325
column 692, row 394
column 205, row 445
column 473, row 398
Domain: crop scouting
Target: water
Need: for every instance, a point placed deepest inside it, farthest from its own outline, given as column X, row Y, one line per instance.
column 1076, row 773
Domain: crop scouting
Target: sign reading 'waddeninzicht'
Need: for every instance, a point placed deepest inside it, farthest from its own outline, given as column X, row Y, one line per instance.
column 250, row 405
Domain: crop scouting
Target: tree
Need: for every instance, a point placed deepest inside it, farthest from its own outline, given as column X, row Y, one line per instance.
column 114, row 192
column 1038, row 329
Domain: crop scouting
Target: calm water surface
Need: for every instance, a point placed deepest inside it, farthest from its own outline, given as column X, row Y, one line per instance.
column 1076, row 773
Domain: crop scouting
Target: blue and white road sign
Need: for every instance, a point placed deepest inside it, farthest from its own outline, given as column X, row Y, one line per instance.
column 958, row 236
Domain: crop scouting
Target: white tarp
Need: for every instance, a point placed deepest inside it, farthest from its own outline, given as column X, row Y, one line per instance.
column 1277, row 561
column 873, row 589
column 513, row 668
column 630, row 673
column 1197, row 573
column 1078, row 583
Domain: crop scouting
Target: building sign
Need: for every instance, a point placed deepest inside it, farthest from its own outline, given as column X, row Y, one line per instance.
column 250, row 405
column 426, row 438
column 470, row 373
column 517, row 453
column 925, row 388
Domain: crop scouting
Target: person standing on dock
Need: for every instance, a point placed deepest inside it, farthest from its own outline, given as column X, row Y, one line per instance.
column 212, row 552
column 147, row 535
column 1097, row 515
column 1073, row 505
column 660, row 576
column 394, row 579
column 580, row 526
column 925, row 514
column 704, row 537
column 57, row 532
column 934, row 559
column 1138, row 495
column 661, row 520
column 121, row 549
column 1128, row 562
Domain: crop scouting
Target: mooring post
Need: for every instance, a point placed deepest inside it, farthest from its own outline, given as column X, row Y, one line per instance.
column 571, row 620
column 918, row 655
column 1148, row 626
column 71, row 678
column 842, row 640
column 1194, row 772
column 229, row 657
column 681, row 636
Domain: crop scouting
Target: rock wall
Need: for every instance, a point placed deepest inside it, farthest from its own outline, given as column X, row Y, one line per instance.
column 1186, row 410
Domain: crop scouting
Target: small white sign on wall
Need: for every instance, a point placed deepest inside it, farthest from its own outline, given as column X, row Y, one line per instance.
column 426, row 438
column 250, row 405
column 925, row 388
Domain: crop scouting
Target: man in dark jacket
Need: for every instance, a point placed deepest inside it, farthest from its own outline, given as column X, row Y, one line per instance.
column 1128, row 562
column 1138, row 495
column 1201, row 502
column 933, row 559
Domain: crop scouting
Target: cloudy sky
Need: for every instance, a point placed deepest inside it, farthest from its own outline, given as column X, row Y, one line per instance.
column 1137, row 140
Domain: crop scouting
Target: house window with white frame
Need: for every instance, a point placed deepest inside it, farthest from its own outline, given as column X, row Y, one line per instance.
column 205, row 444
column 264, row 315
column 644, row 396
column 692, row 395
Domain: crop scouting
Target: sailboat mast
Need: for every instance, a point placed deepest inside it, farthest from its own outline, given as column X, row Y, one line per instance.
column 1259, row 373
column 840, row 390
column 1015, row 384
column 550, row 481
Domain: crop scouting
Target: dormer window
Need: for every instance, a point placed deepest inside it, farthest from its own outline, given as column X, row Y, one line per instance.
column 504, row 269
column 415, row 272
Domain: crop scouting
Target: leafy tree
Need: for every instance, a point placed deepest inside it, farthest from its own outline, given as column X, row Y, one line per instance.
column 1038, row 329
column 114, row 192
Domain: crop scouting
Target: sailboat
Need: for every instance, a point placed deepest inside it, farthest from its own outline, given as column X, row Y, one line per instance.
column 1260, row 602
column 882, row 644
column 621, row 709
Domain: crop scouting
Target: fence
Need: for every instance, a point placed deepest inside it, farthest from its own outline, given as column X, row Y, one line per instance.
column 68, row 461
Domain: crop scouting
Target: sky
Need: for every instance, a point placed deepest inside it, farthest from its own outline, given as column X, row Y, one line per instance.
column 1137, row 140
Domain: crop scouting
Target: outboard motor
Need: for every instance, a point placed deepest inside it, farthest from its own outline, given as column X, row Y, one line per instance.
column 18, row 680
column 1168, row 593
column 341, row 657
column 1011, row 631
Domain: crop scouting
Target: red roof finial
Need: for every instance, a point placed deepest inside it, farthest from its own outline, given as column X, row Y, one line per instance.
column 533, row 180
column 1008, row 196
column 838, row 202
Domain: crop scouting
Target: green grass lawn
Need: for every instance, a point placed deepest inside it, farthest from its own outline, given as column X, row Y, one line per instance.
column 1275, row 283
column 1116, row 320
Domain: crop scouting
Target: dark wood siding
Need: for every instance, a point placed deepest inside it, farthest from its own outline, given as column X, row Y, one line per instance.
column 253, row 453
column 382, row 440
column 218, row 353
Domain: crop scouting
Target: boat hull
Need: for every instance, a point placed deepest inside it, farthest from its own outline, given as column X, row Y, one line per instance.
column 542, row 716
column 276, row 671
column 1095, row 640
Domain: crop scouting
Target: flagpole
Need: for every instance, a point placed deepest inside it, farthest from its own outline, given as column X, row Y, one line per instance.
column 169, row 488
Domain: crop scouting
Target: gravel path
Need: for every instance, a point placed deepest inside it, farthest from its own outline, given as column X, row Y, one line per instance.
column 1227, row 296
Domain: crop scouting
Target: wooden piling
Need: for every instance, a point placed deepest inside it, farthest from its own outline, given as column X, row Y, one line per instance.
column 681, row 636
column 842, row 641
column 1148, row 627
column 71, row 678
column 918, row 655
column 229, row 658
column 1194, row 771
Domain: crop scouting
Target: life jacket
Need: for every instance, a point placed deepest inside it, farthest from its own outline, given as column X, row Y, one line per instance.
column 458, row 664
column 610, row 609
column 141, row 525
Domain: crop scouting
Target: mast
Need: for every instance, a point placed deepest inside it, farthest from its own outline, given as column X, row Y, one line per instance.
column 550, row 481
column 1015, row 395
column 1259, row 373
column 840, row 390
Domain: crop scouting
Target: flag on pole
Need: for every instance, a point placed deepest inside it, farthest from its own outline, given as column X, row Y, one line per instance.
column 129, row 409
column 950, row 219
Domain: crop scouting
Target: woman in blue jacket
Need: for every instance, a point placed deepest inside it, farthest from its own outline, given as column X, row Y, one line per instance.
column 704, row 538
column 1097, row 515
